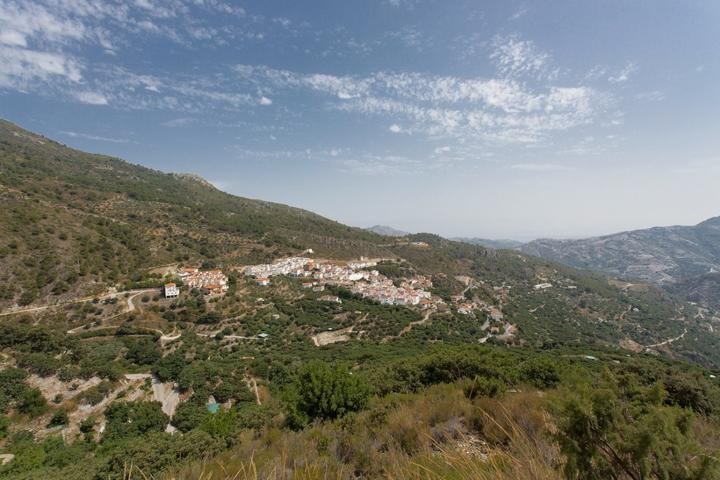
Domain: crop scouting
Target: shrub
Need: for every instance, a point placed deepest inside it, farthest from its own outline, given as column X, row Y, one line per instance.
column 143, row 352
column 543, row 373
column 604, row 434
column 32, row 403
column 130, row 419
column 59, row 418
column 483, row 387
column 325, row 391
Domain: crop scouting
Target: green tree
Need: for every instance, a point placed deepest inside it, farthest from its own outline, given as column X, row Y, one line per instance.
column 143, row 352
column 32, row 403
column 130, row 419
column 189, row 415
column 169, row 368
column 326, row 392
column 607, row 433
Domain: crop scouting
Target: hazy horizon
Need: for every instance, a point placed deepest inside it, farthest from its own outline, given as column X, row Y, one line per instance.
column 515, row 120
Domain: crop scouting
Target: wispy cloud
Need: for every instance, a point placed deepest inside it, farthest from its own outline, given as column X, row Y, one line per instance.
column 92, row 98
column 651, row 96
column 517, row 57
column 500, row 109
column 23, row 69
column 623, row 75
column 178, row 122
column 98, row 138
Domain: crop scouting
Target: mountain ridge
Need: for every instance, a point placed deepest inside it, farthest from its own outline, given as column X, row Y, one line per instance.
column 661, row 255
column 99, row 223
column 387, row 231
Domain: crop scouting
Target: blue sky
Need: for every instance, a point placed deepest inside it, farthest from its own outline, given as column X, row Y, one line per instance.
column 494, row 119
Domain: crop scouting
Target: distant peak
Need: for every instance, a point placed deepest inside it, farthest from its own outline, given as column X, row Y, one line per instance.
column 387, row 231
column 194, row 177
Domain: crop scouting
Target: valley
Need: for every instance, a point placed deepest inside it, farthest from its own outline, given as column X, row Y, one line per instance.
column 139, row 304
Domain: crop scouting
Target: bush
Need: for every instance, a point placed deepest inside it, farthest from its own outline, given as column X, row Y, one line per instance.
column 33, row 403
column 604, row 434
column 4, row 426
column 131, row 419
column 143, row 352
column 160, row 452
column 58, row 419
column 169, row 368
column 543, row 373
column 483, row 387
column 189, row 415
column 325, row 391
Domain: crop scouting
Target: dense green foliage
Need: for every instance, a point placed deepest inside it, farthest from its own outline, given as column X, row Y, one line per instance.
column 325, row 392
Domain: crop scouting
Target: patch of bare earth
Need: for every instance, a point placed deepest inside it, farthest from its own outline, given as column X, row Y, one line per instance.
column 326, row 338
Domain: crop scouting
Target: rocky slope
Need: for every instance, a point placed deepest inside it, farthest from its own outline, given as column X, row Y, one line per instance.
column 661, row 255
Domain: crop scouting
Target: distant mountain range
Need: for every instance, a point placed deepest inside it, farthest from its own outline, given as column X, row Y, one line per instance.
column 498, row 244
column 683, row 259
column 74, row 225
column 387, row 231
column 482, row 242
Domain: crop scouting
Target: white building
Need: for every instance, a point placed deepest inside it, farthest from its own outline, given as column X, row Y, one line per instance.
column 171, row 290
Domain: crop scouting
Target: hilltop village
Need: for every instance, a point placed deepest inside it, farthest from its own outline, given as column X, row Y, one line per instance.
column 363, row 278
column 356, row 276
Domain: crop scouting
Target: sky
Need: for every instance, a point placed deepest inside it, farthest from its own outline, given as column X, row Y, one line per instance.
column 495, row 119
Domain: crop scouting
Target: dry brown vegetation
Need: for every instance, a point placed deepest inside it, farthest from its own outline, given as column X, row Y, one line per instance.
column 440, row 434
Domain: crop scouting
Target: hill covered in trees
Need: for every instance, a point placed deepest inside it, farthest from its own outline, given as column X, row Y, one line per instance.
column 519, row 367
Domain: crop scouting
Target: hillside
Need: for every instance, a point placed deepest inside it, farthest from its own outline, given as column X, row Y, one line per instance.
column 80, row 225
column 75, row 223
column 659, row 255
column 297, row 337
column 501, row 243
column 387, row 231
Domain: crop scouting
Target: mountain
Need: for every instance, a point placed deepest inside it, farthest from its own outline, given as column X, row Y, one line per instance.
column 497, row 244
column 702, row 289
column 74, row 222
column 77, row 224
column 96, row 365
column 660, row 255
column 387, row 231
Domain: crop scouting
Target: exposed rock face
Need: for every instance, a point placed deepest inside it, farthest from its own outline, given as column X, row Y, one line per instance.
column 661, row 255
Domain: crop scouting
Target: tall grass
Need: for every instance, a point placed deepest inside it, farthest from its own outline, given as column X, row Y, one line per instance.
column 416, row 437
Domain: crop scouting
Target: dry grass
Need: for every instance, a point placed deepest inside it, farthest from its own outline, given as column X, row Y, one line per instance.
column 437, row 435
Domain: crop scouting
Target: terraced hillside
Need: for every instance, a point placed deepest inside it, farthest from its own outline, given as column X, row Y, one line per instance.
column 96, row 365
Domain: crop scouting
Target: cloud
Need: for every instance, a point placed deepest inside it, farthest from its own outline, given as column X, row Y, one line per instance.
column 409, row 4
column 472, row 109
column 178, row 122
column 516, row 57
column 9, row 37
column 519, row 13
column 22, row 68
column 623, row 75
column 265, row 101
column 92, row 98
column 95, row 137
column 372, row 165
column 652, row 96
